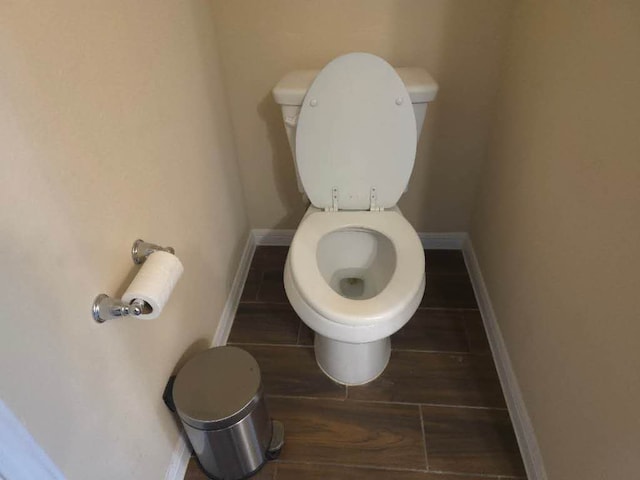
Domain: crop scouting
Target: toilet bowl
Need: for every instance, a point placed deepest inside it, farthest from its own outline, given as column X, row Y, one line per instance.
column 355, row 270
column 354, row 278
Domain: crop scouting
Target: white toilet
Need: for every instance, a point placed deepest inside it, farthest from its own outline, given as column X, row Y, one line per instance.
column 355, row 270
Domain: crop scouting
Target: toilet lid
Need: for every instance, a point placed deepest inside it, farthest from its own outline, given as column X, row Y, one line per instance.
column 356, row 132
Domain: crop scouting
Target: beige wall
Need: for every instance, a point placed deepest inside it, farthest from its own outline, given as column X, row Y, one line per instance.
column 113, row 126
column 557, row 230
column 459, row 42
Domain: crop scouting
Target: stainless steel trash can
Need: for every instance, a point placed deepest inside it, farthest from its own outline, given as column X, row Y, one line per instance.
column 218, row 397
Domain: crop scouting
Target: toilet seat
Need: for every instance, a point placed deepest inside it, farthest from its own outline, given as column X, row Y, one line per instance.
column 406, row 281
column 356, row 135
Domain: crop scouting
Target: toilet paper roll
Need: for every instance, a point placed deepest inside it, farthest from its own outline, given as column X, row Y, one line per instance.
column 154, row 282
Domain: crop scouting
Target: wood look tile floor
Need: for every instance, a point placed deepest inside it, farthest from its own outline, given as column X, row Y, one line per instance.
column 436, row 413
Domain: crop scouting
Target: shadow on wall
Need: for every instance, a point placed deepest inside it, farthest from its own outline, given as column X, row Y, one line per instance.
column 284, row 175
column 462, row 45
column 195, row 348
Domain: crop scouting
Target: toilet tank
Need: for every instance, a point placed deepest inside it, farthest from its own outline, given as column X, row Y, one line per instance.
column 290, row 91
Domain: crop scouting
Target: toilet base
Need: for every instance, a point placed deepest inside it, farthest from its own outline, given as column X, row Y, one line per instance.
column 352, row 363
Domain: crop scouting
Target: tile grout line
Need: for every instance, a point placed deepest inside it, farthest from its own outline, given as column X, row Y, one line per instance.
column 271, row 345
column 402, row 350
column 263, row 302
column 387, row 402
column 488, row 476
column 437, row 352
column 299, row 331
column 276, row 302
column 424, row 439
column 405, row 350
column 358, row 466
column 469, row 342
column 448, row 274
column 260, row 284
column 453, row 309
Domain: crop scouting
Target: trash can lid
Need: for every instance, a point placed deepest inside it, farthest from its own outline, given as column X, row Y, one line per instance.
column 217, row 388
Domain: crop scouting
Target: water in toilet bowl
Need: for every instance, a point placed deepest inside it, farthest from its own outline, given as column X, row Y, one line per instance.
column 352, row 287
column 357, row 263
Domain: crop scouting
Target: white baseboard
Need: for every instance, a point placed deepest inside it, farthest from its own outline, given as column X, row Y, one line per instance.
column 21, row 458
column 515, row 403
column 182, row 452
column 233, row 300
column 179, row 460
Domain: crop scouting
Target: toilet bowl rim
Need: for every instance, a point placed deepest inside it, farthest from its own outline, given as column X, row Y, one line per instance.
column 355, row 333
column 405, row 281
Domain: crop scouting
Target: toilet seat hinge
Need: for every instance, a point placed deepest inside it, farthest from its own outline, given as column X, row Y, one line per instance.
column 334, row 201
column 373, row 197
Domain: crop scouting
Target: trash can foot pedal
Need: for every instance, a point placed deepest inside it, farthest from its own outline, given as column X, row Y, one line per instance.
column 277, row 440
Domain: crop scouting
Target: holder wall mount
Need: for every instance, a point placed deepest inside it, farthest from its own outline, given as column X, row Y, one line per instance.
column 106, row 308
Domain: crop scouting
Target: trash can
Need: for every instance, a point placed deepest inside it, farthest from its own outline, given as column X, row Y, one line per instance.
column 219, row 399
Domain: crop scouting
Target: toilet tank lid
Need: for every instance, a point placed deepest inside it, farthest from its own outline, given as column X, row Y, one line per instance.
column 292, row 88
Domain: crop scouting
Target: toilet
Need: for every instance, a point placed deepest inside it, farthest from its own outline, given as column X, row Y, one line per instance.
column 355, row 269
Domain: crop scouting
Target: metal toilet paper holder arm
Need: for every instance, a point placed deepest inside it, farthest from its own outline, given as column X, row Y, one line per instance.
column 106, row 308
column 141, row 250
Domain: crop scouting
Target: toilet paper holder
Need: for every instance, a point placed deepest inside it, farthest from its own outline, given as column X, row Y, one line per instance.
column 106, row 308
